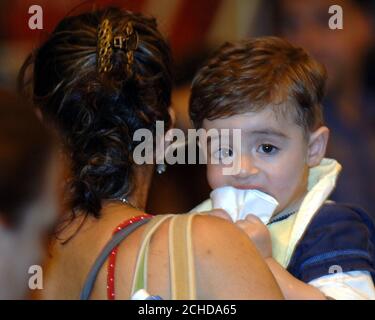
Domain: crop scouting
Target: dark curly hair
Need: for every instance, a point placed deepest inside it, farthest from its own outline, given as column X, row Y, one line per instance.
column 97, row 114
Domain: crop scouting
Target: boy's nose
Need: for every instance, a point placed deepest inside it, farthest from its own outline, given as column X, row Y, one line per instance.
column 246, row 167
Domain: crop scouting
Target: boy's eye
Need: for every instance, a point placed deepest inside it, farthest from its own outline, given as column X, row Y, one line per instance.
column 267, row 149
column 223, row 153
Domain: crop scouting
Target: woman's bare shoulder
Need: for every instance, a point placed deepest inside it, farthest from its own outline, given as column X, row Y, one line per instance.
column 227, row 264
column 230, row 267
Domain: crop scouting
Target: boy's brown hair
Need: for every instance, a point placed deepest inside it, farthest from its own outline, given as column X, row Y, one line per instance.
column 249, row 75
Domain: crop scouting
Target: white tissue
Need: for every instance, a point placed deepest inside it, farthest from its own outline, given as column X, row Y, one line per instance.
column 239, row 203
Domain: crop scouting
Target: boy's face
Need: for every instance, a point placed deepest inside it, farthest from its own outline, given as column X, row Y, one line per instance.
column 274, row 155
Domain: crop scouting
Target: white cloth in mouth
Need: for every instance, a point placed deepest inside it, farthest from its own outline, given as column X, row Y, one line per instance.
column 239, row 203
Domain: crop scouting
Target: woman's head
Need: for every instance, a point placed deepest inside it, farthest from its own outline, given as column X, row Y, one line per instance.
column 98, row 109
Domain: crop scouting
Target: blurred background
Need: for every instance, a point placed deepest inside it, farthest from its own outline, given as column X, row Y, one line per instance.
column 195, row 28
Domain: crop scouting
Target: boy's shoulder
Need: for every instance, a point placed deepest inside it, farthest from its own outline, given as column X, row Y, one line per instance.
column 340, row 225
column 341, row 213
column 339, row 234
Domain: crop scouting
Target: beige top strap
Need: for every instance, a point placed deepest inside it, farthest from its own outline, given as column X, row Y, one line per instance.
column 181, row 256
column 181, row 261
column 140, row 274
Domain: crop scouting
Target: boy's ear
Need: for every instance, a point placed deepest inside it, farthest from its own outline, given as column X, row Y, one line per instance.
column 317, row 145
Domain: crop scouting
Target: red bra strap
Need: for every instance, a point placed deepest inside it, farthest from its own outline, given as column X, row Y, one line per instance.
column 112, row 256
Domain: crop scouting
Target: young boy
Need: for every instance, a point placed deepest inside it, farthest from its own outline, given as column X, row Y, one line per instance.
column 272, row 91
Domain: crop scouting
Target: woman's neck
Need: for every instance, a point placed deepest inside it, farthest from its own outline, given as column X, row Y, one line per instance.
column 142, row 182
column 111, row 209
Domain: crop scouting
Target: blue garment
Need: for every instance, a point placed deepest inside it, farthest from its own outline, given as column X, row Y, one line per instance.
column 354, row 147
column 338, row 235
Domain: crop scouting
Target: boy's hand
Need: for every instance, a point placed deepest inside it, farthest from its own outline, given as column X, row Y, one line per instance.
column 258, row 233
column 254, row 228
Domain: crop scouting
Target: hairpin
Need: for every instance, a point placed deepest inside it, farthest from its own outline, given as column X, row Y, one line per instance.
column 104, row 46
column 127, row 41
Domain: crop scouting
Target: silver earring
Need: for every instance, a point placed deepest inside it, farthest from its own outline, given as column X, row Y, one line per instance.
column 161, row 168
